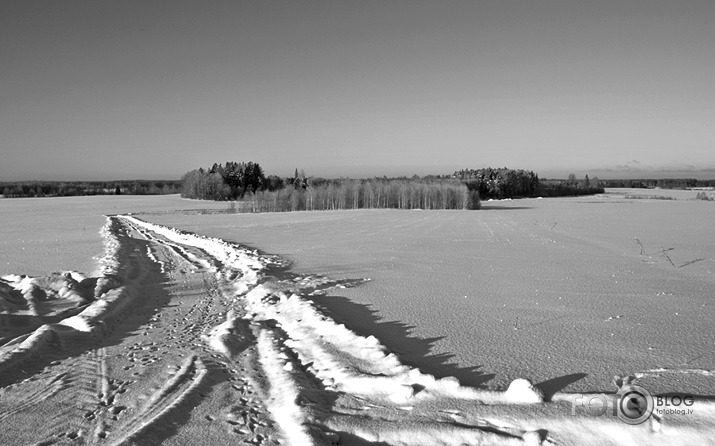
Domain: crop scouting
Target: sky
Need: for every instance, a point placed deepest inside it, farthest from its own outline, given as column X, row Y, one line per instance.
column 100, row 90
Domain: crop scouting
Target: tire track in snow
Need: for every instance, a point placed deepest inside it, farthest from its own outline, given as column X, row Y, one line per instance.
column 196, row 259
column 16, row 401
column 191, row 328
column 173, row 393
column 76, row 402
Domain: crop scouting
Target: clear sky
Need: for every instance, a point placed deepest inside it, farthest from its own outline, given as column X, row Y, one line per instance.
column 151, row 89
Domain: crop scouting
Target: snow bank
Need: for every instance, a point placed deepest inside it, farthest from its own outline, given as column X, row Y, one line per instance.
column 117, row 287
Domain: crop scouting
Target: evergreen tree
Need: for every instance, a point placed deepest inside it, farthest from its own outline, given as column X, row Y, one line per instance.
column 253, row 177
column 233, row 176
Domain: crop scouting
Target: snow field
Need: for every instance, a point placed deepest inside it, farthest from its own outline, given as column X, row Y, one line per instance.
column 235, row 346
column 560, row 284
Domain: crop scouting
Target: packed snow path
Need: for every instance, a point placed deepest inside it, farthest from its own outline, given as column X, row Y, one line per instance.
column 183, row 339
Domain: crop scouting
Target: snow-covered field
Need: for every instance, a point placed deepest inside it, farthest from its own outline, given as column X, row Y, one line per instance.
column 353, row 327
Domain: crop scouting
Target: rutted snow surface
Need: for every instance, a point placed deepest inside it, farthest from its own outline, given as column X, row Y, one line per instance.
column 185, row 339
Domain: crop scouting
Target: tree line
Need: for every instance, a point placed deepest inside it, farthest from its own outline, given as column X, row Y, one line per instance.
column 663, row 183
column 20, row 189
column 247, row 183
column 377, row 193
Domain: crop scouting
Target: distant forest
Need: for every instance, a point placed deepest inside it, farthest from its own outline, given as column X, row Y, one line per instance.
column 667, row 183
column 74, row 188
column 256, row 192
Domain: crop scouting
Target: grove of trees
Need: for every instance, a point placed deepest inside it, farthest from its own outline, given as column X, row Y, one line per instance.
column 229, row 182
column 377, row 193
column 247, row 183
column 501, row 183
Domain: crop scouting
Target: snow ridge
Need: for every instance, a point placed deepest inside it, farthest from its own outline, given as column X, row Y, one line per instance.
column 283, row 392
column 121, row 278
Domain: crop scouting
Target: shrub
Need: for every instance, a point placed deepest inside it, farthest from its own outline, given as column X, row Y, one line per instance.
column 703, row 196
column 648, row 197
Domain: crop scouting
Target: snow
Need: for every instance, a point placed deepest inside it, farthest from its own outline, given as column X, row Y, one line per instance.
column 41, row 235
column 373, row 333
column 283, row 392
column 559, row 284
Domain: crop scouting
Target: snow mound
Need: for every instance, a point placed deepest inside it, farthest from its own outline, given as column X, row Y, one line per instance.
column 522, row 391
